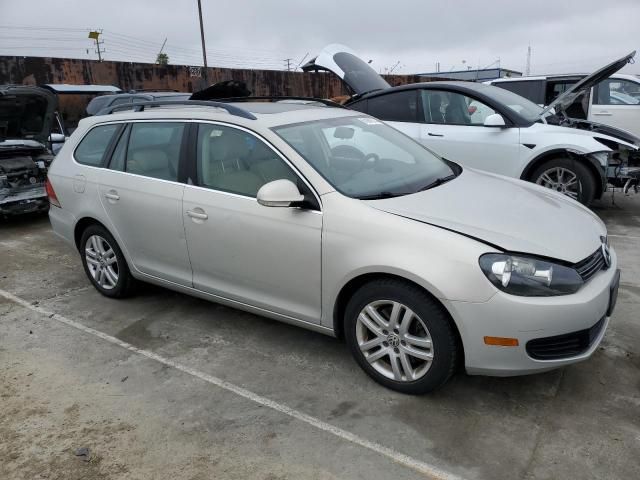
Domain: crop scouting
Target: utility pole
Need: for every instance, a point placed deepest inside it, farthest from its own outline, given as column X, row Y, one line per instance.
column 204, row 50
column 95, row 35
column 528, row 69
column 288, row 60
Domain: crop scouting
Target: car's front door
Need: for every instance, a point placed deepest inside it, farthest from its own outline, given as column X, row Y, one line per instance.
column 454, row 128
column 616, row 102
column 142, row 198
column 267, row 257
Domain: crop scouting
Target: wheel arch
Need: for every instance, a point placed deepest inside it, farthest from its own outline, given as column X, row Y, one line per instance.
column 349, row 288
column 583, row 158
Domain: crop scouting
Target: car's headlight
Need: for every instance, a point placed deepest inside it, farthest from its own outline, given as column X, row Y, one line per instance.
column 528, row 276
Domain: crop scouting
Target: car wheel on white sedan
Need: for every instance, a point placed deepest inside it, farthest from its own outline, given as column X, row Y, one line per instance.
column 568, row 177
column 401, row 336
column 104, row 263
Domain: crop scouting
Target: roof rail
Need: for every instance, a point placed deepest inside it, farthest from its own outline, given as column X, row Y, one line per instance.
column 277, row 98
column 143, row 90
column 140, row 106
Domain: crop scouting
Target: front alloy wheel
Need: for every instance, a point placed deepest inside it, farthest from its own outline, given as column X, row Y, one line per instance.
column 567, row 176
column 561, row 180
column 401, row 336
column 394, row 340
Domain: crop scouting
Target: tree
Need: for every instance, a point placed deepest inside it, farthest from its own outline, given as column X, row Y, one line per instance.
column 162, row 59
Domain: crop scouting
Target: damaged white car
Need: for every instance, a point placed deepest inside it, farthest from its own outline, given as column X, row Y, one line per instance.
column 26, row 116
column 490, row 128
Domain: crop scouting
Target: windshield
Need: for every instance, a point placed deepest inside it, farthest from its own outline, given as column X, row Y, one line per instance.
column 525, row 108
column 362, row 157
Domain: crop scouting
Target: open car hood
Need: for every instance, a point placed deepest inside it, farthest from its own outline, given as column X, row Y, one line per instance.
column 26, row 113
column 352, row 70
column 567, row 98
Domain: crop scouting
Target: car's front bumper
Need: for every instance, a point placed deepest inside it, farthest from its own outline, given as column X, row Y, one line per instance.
column 18, row 201
column 530, row 318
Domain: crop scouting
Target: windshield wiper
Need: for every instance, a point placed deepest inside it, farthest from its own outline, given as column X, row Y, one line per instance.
column 382, row 195
column 437, row 181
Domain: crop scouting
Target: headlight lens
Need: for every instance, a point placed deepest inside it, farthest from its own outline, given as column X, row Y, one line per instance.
column 528, row 276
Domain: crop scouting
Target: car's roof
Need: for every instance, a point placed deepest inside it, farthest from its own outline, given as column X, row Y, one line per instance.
column 268, row 114
column 450, row 85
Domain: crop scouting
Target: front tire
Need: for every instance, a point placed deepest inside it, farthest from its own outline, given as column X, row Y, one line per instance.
column 567, row 176
column 104, row 263
column 400, row 336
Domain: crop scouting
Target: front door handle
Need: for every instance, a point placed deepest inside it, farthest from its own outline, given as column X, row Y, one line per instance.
column 603, row 114
column 435, row 134
column 197, row 215
column 112, row 195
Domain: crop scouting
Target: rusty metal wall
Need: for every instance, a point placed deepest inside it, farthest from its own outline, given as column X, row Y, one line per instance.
column 135, row 76
column 145, row 76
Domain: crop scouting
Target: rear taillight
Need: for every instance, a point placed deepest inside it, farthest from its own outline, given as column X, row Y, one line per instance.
column 53, row 198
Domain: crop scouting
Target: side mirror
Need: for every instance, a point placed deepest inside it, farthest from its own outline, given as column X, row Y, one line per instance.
column 279, row 193
column 494, row 120
column 57, row 138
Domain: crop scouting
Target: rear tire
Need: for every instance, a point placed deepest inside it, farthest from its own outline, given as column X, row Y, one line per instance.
column 401, row 336
column 567, row 176
column 104, row 263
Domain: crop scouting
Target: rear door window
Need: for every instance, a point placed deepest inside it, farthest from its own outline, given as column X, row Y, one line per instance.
column 154, row 149
column 91, row 150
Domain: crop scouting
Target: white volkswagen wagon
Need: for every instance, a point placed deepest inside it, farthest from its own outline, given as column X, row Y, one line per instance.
column 419, row 264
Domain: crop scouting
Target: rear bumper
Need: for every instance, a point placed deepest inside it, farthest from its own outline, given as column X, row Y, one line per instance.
column 534, row 319
column 63, row 224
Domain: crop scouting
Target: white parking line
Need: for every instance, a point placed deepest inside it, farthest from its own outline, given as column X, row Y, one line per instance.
column 417, row 465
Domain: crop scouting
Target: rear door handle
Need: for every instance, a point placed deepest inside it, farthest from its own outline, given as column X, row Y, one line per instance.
column 603, row 114
column 435, row 134
column 197, row 215
column 112, row 195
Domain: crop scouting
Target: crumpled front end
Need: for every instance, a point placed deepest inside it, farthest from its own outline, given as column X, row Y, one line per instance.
column 22, row 176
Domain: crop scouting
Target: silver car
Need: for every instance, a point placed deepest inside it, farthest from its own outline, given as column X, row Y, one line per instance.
column 332, row 220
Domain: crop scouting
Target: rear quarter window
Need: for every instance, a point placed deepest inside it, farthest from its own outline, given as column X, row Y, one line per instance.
column 92, row 148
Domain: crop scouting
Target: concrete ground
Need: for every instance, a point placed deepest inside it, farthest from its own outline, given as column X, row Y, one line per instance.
column 165, row 386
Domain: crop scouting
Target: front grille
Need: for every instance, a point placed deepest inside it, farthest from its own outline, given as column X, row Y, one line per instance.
column 591, row 265
column 564, row 346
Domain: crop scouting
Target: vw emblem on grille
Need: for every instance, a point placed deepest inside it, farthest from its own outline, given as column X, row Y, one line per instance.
column 606, row 253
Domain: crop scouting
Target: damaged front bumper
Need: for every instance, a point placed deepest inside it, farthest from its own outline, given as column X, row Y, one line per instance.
column 17, row 201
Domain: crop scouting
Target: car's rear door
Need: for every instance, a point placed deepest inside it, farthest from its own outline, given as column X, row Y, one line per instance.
column 267, row 257
column 142, row 197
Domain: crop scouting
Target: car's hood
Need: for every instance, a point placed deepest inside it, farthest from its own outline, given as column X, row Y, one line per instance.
column 26, row 113
column 567, row 98
column 511, row 214
column 353, row 71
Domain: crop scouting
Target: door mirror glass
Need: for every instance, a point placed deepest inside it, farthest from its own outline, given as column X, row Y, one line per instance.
column 494, row 120
column 279, row 193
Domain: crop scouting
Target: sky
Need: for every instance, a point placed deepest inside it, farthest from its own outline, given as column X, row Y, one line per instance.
column 405, row 36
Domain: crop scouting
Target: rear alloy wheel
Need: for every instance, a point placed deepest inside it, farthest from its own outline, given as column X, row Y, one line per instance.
column 568, row 177
column 104, row 262
column 400, row 336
